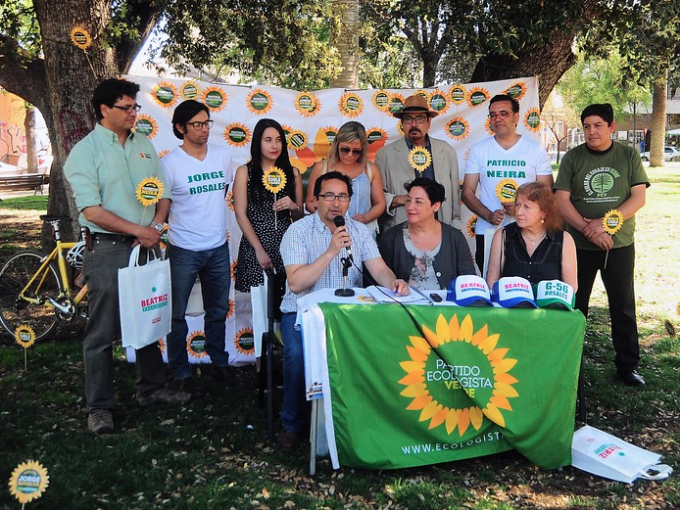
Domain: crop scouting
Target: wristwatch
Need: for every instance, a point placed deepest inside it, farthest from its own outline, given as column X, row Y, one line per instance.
column 158, row 227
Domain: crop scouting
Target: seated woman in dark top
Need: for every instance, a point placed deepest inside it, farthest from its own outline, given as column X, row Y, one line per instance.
column 425, row 252
column 535, row 247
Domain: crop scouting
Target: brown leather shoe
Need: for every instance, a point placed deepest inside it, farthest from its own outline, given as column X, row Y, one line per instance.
column 289, row 441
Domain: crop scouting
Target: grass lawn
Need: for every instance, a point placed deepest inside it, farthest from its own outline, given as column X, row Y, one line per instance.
column 213, row 454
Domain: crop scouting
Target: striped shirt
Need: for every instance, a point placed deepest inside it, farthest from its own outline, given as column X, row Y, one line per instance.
column 305, row 241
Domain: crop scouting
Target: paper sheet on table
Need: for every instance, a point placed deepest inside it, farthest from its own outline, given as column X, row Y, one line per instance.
column 385, row 295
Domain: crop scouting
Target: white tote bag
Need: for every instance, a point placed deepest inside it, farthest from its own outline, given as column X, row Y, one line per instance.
column 145, row 298
column 604, row 455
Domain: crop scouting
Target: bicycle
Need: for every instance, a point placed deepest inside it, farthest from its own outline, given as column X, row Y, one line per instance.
column 35, row 289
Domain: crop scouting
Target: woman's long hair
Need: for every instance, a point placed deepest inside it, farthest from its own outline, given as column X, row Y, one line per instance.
column 282, row 162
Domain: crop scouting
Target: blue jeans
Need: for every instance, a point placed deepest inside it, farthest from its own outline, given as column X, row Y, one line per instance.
column 295, row 406
column 212, row 267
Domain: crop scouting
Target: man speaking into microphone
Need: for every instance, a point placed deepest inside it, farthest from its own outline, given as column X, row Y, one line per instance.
column 312, row 250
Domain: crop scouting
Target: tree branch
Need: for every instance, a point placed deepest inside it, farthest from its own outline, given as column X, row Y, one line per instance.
column 142, row 16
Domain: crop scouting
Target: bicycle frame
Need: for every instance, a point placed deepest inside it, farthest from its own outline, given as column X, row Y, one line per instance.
column 58, row 255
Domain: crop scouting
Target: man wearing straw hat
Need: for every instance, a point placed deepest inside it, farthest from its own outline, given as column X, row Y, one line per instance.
column 393, row 161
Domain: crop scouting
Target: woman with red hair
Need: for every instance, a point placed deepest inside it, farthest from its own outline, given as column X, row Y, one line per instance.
column 535, row 247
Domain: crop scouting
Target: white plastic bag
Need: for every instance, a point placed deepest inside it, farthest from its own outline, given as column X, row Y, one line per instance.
column 145, row 300
column 258, row 300
column 195, row 303
column 602, row 454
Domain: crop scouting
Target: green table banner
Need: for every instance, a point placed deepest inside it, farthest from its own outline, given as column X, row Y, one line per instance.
column 428, row 384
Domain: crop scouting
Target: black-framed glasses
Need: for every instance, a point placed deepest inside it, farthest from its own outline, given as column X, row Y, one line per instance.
column 502, row 114
column 128, row 108
column 355, row 152
column 198, row 125
column 420, row 119
column 331, row 197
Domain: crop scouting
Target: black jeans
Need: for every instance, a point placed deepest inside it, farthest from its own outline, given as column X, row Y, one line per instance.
column 618, row 282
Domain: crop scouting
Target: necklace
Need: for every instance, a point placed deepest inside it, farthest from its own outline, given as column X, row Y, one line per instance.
column 534, row 241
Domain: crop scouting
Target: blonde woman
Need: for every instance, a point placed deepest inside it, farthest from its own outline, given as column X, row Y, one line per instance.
column 349, row 155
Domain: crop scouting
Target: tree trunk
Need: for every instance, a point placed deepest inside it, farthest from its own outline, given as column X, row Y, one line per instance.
column 71, row 75
column 656, row 152
column 29, row 130
column 345, row 37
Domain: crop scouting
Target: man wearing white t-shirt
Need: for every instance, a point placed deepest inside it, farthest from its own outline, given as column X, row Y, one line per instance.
column 198, row 175
column 505, row 160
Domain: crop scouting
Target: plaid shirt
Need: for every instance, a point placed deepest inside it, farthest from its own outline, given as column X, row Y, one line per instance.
column 305, row 241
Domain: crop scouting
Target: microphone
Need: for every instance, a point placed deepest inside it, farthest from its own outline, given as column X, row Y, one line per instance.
column 340, row 222
column 346, row 263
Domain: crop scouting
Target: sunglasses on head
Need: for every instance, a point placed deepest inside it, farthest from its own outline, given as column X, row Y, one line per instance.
column 355, row 152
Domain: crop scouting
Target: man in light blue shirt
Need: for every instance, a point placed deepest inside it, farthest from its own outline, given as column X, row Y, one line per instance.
column 312, row 249
column 111, row 172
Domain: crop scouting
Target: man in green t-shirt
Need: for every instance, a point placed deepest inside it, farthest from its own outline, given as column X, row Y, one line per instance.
column 600, row 186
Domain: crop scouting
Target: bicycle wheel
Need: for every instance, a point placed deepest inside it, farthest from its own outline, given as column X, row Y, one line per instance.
column 14, row 312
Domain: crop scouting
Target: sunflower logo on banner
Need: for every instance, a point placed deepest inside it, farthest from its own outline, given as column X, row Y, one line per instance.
column 438, row 101
column 189, row 90
column 532, row 120
column 396, row 103
column 164, row 94
column 259, row 101
column 245, row 341
column 196, row 345
column 237, row 134
column 457, row 128
column 351, row 105
column 146, row 125
column 215, row 98
column 517, row 91
column 471, row 226
column 477, row 96
column 381, row 101
column 457, row 94
column 430, row 379
column 307, row 104
column 298, row 140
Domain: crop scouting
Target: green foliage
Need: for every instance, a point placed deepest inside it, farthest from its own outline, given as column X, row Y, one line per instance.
column 283, row 42
column 19, row 24
column 647, row 34
column 601, row 80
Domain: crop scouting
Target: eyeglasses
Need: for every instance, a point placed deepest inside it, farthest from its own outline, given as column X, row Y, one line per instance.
column 500, row 115
column 355, row 152
column 200, row 125
column 420, row 119
column 128, row 108
column 331, row 197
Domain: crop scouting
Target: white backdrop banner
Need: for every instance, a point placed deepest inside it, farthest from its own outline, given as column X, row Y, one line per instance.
column 310, row 120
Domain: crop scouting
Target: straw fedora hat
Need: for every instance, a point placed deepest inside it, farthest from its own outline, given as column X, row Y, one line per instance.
column 415, row 104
